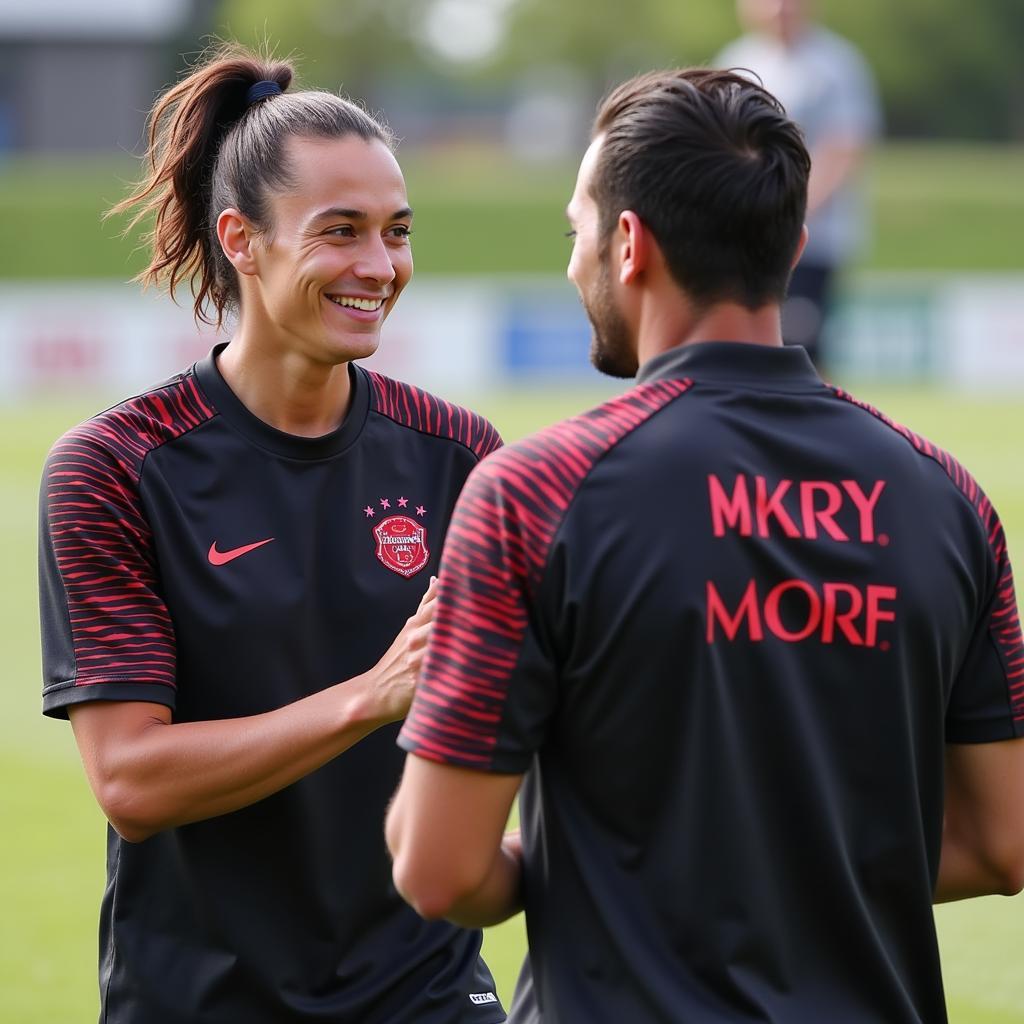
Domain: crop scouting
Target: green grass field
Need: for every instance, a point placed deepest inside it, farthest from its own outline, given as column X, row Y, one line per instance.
column 51, row 858
column 944, row 207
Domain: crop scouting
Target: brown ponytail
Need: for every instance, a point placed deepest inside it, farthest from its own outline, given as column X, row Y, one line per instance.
column 209, row 149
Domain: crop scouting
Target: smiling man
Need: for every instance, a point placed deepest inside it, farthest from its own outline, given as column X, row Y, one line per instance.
column 234, row 573
column 751, row 648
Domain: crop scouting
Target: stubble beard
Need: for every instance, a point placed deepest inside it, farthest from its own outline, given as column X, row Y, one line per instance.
column 611, row 347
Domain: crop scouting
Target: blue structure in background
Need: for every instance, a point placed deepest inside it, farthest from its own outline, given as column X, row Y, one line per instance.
column 545, row 334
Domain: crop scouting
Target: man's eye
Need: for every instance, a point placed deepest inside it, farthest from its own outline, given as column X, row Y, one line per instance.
column 344, row 231
column 571, row 233
column 401, row 231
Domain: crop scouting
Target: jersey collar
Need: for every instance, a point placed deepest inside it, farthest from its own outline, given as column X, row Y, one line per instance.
column 274, row 440
column 735, row 362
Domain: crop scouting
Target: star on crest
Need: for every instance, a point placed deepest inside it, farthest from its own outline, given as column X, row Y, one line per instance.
column 370, row 511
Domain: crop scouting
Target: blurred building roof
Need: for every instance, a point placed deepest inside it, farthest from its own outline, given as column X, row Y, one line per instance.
column 106, row 19
column 78, row 76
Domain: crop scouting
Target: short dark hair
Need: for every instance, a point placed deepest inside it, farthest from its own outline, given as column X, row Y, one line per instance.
column 711, row 164
column 210, row 148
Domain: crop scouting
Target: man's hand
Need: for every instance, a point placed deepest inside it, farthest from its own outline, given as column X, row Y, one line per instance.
column 394, row 677
column 512, row 845
column 149, row 773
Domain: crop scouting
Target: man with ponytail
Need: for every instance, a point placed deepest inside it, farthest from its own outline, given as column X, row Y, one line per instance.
column 234, row 597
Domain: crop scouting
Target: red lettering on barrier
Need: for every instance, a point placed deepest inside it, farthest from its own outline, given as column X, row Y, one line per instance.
column 62, row 354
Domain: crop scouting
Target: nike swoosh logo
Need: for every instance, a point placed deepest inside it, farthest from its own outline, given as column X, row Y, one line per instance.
column 223, row 557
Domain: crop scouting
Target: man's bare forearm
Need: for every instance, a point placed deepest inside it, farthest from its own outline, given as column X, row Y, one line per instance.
column 149, row 773
column 964, row 872
column 499, row 898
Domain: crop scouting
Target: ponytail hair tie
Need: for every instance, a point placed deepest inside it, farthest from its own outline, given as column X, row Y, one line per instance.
column 260, row 91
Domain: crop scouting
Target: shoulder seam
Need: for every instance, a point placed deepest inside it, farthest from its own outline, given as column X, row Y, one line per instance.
column 669, row 394
column 1006, row 634
column 957, row 473
column 498, row 548
column 147, row 444
column 474, row 421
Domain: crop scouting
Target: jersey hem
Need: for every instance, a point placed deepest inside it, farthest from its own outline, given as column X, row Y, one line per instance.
column 984, row 732
column 429, row 433
column 490, row 766
column 494, row 1020
column 60, row 696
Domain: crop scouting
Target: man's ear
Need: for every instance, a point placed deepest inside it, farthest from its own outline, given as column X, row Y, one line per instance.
column 236, row 235
column 633, row 240
column 804, row 235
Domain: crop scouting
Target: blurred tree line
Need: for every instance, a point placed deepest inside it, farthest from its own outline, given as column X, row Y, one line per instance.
column 945, row 69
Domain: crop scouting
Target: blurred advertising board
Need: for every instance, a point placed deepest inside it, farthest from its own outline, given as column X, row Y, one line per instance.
column 466, row 335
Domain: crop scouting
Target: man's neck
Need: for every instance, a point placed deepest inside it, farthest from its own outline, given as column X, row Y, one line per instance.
column 724, row 321
column 290, row 392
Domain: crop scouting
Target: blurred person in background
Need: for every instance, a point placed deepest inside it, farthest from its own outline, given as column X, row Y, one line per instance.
column 751, row 649
column 827, row 87
column 234, row 596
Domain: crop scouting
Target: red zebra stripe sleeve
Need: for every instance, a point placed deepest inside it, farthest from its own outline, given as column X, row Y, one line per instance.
column 105, row 620
column 412, row 407
column 493, row 564
column 1004, row 621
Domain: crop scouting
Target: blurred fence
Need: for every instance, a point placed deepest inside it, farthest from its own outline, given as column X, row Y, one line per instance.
column 469, row 335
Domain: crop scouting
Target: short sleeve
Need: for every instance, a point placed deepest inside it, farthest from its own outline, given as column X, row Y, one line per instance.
column 489, row 685
column 106, row 631
column 987, row 701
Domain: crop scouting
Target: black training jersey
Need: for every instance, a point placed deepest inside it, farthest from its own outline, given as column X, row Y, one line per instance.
column 729, row 621
column 194, row 556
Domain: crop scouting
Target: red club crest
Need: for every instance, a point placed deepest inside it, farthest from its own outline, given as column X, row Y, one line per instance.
column 402, row 544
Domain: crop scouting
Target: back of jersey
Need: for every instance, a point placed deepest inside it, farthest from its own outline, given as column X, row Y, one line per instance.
column 759, row 612
column 771, row 608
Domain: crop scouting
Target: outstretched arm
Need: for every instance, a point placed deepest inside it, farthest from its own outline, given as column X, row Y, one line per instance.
column 149, row 773
column 445, row 832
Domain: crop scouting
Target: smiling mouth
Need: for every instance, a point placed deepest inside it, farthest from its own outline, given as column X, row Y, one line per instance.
column 350, row 302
